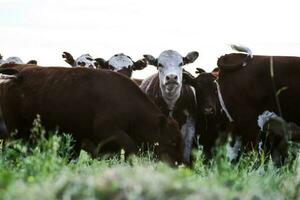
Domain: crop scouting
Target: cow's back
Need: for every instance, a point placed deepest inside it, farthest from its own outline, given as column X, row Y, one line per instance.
column 73, row 99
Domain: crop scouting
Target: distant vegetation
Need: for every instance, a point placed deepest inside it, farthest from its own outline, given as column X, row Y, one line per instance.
column 42, row 170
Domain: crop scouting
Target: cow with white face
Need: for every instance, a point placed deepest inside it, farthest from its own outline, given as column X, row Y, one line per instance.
column 85, row 60
column 15, row 60
column 123, row 64
column 174, row 98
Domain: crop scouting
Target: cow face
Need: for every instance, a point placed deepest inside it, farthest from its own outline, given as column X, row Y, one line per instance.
column 206, row 91
column 170, row 146
column 86, row 60
column 123, row 64
column 169, row 65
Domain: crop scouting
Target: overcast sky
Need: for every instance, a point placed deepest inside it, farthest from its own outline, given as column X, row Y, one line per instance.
column 43, row 29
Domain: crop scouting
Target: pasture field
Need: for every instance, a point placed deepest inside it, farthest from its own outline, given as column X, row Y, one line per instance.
column 42, row 171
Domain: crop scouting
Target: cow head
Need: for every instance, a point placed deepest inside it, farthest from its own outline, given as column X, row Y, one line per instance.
column 14, row 60
column 169, row 65
column 170, row 145
column 122, row 63
column 85, row 60
column 206, row 91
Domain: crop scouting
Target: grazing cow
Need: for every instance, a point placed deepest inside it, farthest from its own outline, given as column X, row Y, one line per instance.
column 174, row 99
column 249, row 85
column 116, row 116
column 85, row 60
column 211, row 123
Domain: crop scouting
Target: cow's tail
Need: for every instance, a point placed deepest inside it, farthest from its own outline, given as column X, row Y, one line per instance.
column 243, row 49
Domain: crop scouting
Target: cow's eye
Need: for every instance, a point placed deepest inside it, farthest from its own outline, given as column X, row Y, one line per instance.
column 160, row 65
column 88, row 58
column 181, row 64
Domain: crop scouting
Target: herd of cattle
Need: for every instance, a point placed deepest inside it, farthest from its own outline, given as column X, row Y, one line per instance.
column 106, row 110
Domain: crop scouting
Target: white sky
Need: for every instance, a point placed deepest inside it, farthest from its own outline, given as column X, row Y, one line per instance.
column 43, row 29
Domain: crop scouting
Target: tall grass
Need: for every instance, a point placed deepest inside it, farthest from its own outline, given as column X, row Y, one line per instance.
column 41, row 169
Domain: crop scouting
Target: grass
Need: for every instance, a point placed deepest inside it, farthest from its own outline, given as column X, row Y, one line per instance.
column 42, row 171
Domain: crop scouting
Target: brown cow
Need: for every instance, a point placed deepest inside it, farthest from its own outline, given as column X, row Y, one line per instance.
column 249, row 85
column 118, row 115
column 173, row 98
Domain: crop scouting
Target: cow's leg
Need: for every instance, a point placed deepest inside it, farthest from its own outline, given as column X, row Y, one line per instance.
column 125, row 142
column 188, row 134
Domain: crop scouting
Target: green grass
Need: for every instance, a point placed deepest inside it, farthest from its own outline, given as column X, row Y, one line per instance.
column 42, row 171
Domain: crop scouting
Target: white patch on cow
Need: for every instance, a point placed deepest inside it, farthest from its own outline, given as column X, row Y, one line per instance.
column 4, row 78
column 194, row 94
column 14, row 60
column 264, row 118
column 170, row 65
column 188, row 133
column 120, row 61
column 85, row 60
column 233, row 152
column 147, row 83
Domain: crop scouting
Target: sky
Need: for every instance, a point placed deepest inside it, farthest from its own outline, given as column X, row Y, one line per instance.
column 43, row 29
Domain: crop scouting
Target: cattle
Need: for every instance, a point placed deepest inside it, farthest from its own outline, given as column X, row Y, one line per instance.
column 120, row 63
column 211, row 122
column 85, row 60
column 15, row 60
column 10, row 68
column 173, row 98
column 123, row 64
column 116, row 116
column 250, row 84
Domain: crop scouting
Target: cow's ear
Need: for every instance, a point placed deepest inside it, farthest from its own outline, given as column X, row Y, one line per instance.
column 188, row 78
column 101, row 63
column 199, row 70
column 140, row 64
column 69, row 59
column 190, row 57
column 151, row 60
column 32, row 62
column 215, row 72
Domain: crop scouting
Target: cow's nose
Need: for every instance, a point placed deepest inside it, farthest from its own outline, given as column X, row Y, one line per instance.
column 172, row 77
column 209, row 110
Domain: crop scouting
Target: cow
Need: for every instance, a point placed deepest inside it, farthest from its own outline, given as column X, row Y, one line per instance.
column 173, row 98
column 211, row 122
column 10, row 68
column 15, row 60
column 248, row 85
column 116, row 116
column 120, row 63
column 123, row 64
column 85, row 60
